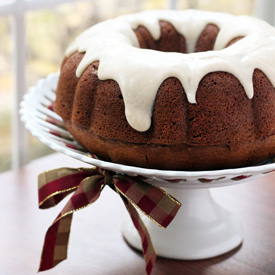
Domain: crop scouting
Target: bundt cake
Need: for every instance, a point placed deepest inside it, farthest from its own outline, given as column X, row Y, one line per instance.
column 173, row 90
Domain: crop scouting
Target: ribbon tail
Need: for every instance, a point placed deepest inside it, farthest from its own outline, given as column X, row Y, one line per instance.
column 57, row 237
column 56, row 242
column 149, row 252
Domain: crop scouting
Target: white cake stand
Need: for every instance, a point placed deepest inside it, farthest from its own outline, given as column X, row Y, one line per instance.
column 201, row 229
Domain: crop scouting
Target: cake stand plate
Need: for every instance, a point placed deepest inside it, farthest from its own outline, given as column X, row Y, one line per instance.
column 201, row 229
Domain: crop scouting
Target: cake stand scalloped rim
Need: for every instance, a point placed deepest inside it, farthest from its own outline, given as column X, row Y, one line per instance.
column 44, row 92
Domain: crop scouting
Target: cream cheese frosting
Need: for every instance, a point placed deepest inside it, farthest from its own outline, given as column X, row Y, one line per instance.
column 137, row 71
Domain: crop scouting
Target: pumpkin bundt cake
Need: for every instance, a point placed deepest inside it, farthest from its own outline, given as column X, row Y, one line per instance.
column 173, row 90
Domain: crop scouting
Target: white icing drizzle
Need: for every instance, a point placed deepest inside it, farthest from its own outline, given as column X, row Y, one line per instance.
column 140, row 72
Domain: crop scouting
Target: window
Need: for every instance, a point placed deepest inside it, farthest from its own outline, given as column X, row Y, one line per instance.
column 34, row 35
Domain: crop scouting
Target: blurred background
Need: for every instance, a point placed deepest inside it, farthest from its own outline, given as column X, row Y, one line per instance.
column 47, row 31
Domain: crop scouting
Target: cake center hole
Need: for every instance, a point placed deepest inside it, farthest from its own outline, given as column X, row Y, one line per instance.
column 172, row 41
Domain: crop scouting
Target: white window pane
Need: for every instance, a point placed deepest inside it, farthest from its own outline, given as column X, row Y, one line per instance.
column 5, row 94
column 229, row 6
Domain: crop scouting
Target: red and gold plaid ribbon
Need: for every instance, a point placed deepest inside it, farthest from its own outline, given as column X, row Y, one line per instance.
column 87, row 185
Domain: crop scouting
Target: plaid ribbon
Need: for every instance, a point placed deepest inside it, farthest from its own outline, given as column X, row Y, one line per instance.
column 87, row 185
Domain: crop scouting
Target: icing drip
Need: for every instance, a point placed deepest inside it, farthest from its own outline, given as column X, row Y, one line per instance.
column 137, row 72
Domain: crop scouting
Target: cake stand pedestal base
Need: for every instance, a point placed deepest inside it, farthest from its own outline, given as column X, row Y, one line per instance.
column 201, row 229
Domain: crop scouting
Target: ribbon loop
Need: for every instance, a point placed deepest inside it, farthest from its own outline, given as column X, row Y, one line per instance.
column 56, row 184
column 153, row 201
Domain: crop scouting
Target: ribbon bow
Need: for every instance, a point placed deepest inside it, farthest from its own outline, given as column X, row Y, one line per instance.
column 87, row 184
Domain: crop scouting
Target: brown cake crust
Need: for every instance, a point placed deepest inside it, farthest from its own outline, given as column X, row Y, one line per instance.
column 224, row 129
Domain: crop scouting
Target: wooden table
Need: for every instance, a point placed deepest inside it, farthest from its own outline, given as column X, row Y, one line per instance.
column 96, row 243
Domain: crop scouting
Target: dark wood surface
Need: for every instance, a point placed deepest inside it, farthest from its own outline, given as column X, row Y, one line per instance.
column 96, row 243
